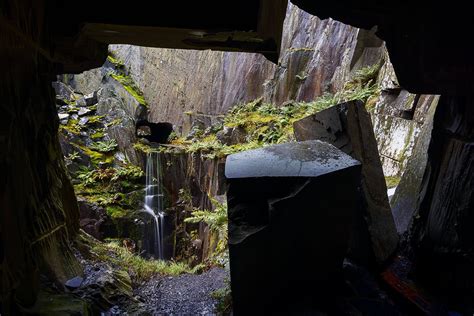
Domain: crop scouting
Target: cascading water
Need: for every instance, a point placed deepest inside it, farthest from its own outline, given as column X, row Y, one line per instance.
column 154, row 201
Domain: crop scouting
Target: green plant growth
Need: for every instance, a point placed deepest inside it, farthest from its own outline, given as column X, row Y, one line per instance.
column 224, row 299
column 119, row 189
column 264, row 124
column 392, row 181
column 72, row 156
column 104, row 146
column 217, row 221
column 139, row 268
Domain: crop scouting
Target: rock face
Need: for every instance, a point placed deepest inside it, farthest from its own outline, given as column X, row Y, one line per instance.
column 397, row 118
column 99, row 94
column 441, row 235
column 316, row 56
column 348, row 127
column 289, row 226
column 38, row 210
column 190, row 181
column 404, row 201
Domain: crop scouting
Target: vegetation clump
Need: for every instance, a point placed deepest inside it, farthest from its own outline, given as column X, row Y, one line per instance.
column 264, row 123
column 104, row 146
column 224, row 299
column 117, row 189
column 217, row 221
column 139, row 268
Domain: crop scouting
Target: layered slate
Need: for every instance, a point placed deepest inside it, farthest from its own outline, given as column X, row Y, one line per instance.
column 348, row 127
column 291, row 209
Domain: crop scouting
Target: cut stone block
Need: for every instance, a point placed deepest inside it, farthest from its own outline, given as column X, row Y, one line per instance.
column 348, row 127
column 291, row 210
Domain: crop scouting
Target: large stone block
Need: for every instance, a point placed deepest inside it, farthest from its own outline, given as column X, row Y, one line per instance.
column 348, row 127
column 291, row 210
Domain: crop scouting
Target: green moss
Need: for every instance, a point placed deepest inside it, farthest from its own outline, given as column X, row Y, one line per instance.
column 114, row 122
column 72, row 127
column 115, row 61
column 116, row 211
column 98, row 134
column 128, row 84
column 140, row 269
column 95, row 119
column 392, row 181
column 144, row 148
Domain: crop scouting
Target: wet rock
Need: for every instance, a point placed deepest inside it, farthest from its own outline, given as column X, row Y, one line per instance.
column 290, row 217
column 348, row 127
column 74, row 283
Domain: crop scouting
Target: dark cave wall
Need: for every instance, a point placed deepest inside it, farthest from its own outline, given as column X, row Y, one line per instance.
column 38, row 209
column 441, row 235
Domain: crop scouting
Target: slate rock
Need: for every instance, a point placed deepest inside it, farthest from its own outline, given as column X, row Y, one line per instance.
column 87, row 100
column 83, row 111
column 63, row 116
column 83, row 120
column 404, row 201
column 290, row 210
column 74, row 283
column 348, row 127
column 63, row 91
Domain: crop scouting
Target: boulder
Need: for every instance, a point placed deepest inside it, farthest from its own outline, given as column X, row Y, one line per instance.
column 290, row 210
column 348, row 127
column 93, row 219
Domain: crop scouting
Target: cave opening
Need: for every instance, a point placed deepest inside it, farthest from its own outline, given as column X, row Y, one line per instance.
column 308, row 174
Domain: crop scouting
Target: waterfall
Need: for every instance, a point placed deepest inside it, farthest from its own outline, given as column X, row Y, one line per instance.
column 154, row 201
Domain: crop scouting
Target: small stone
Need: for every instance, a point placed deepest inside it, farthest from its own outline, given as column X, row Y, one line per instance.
column 88, row 100
column 63, row 116
column 83, row 111
column 74, row 283
column 83, row 120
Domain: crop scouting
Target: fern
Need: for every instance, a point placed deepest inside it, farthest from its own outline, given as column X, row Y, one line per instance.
column 104, row 146
column 217, row 221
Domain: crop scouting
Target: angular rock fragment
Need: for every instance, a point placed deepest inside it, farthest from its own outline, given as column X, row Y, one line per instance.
column 291, row 209
column 87, row 100
column 348, row 127
column 74, row 283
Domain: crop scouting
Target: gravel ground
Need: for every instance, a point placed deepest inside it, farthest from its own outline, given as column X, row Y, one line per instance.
column 188, row 294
